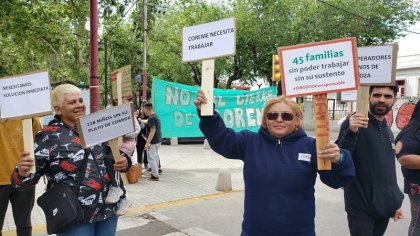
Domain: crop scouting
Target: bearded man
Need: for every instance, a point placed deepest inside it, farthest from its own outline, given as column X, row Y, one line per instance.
column 374, row 197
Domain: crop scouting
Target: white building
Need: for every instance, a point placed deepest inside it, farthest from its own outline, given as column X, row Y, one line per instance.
column 408, row 75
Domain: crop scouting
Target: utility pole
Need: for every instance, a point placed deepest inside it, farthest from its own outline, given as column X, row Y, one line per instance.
column 106, row 73
column 94, row 75
column 144, row 50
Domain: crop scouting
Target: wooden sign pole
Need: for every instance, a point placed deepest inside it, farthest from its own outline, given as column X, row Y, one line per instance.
column 207, row 85
column 322, row 128
column 28, row 139
column 362, row 104
column 116, row 143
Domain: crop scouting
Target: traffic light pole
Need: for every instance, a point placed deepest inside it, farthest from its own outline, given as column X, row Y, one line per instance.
column 144, row 50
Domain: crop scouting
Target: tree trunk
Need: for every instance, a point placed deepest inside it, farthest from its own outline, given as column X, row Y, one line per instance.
column 237, row 73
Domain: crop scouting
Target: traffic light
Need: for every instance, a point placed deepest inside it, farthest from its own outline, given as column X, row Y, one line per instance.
column 276, row 68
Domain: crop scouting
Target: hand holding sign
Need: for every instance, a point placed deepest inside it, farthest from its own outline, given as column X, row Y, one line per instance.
column 23, row 97
column 316, row 69
column 206, row 42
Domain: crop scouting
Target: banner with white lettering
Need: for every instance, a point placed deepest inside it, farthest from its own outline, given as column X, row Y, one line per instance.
column 174, row 104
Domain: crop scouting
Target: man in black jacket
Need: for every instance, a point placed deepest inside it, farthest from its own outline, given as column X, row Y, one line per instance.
column 374, row 197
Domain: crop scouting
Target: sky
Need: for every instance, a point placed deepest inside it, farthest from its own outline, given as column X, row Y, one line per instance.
column 410, row 44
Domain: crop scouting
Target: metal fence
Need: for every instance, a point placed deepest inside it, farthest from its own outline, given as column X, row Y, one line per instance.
column 336, row 109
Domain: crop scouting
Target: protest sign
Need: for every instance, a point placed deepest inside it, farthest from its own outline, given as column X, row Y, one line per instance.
column 25, row 96
column 126, row 87
column 208, row 41
column 317, row 69
column 349, row 96
column 105, row 125
column 378, row 64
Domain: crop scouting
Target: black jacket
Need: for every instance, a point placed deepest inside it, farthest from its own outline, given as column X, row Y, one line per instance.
column 375, row 192
column 59, row 156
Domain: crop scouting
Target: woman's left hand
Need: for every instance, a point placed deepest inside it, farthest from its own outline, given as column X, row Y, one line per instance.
column 330, row 151
column 121, row 164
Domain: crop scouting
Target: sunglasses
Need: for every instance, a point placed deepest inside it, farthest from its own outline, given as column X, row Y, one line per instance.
column 286, row 116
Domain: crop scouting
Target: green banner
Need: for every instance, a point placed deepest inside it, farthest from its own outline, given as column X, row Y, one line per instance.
column 174, row 103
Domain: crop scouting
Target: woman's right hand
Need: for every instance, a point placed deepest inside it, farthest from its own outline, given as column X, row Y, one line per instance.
column 25, row 164
column 200, row 99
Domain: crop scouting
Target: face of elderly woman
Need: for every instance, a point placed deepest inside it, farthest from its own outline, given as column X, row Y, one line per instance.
column 281, row 120
column 72, row 108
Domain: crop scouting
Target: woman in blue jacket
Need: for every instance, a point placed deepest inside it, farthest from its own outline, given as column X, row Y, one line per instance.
column 280, row 168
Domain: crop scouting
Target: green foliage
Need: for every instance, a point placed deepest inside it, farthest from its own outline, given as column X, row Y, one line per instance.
column 44, row 34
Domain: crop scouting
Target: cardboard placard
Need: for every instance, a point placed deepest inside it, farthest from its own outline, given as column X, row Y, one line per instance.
column 209, row 41
column 105, row 125
column 25, row 96
column 126, row 86
column 318, row 68
column 378, row 64
column 349, row 96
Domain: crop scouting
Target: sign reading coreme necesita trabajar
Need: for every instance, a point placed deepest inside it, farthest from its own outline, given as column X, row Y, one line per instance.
column 378, row 64
column 207, row 41
column 105, row 125
column 318, row 68
column 25, row 96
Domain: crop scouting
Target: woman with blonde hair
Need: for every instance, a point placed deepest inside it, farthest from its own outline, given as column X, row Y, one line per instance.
column 280, row 168
column 61, row 158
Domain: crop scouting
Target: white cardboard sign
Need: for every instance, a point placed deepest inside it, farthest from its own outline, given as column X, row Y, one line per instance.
column 318, row 68
column 25, row 96
column 350, row 95
column 208, row 41
column 377, row 64
column 105, row 125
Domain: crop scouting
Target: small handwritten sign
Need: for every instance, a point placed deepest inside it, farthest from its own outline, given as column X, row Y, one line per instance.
column 105, row 125
column 25, row 96
column 208, row 41
column 378, row 64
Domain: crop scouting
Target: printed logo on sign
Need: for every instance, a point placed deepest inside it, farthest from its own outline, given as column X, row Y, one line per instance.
column 304, row 157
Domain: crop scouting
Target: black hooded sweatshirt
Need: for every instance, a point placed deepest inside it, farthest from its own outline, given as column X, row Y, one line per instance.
column 375, row 192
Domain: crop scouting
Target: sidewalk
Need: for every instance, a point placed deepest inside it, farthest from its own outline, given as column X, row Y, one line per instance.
column 189, row 171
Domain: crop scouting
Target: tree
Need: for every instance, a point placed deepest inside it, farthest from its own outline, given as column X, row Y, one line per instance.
column 264, row 25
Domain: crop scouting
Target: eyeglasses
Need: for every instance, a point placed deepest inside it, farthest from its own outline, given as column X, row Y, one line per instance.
column 286, row 116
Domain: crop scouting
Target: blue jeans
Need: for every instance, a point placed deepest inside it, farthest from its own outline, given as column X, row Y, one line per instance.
column 106, row 227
